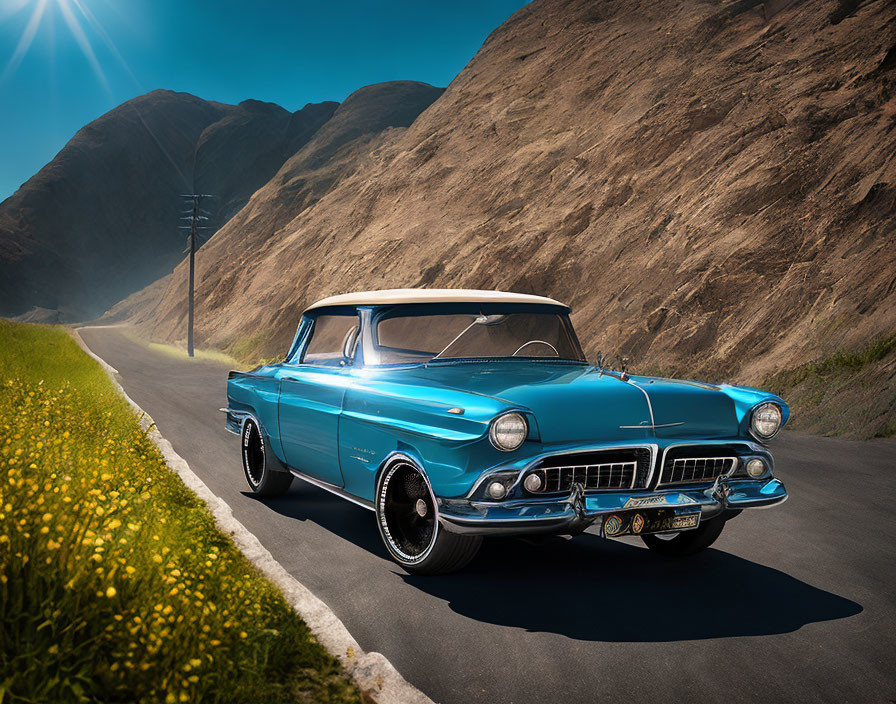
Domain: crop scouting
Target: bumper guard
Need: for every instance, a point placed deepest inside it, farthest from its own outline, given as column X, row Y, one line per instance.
column 579, row 510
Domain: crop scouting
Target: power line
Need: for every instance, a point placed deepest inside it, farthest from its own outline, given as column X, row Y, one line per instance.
column 195, row 215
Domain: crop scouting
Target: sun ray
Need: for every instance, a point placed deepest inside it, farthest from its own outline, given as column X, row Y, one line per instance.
column 107, row 40
column 83, row 41
column 10, row 7
column 25, row 41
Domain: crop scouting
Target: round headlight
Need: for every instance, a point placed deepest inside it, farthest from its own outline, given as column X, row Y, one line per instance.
column 533, row 483
column 766, row 420
column 755, row 468
column 496, row 491
column 508, row 431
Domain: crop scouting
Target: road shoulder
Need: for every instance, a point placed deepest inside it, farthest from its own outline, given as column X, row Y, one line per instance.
column 373, row 672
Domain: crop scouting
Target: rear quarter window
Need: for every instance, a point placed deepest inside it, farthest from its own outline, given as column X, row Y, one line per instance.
column 333, row 338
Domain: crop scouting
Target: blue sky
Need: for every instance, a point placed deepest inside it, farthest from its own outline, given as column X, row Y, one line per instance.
column 87, row 56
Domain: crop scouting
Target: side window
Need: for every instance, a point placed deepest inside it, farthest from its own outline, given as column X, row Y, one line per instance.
column 333, row 340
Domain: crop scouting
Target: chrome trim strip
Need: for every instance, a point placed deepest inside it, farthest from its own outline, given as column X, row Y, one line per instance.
column 333, row 489
column 559, row 517
column 652, row 427
column 654, row 456
column 241, row 416
column 627, row 380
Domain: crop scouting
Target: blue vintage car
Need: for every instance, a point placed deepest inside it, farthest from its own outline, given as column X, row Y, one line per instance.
column 456, row 414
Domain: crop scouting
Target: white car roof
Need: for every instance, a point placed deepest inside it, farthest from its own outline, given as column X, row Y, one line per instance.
column 429, row 295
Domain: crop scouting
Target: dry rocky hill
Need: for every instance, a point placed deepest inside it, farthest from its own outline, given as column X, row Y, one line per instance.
column 711, row 185
column 100, row 220
column 367, row 119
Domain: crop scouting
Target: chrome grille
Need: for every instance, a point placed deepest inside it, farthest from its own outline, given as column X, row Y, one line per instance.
column 609, row 475
column 687, row 470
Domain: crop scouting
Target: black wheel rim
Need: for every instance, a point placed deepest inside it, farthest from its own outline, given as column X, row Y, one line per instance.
column 253, row 454
column 406, row 512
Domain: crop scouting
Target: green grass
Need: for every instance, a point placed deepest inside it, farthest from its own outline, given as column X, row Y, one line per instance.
column 115, row 583
column 246, row 349
column 849, row 393
column 838, row 364
column 204, row 355
column 180, row 352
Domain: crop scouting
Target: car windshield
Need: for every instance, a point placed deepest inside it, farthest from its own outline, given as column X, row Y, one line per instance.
column 417, row 335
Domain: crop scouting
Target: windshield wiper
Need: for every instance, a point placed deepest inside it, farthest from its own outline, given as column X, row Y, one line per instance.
column 478, row 320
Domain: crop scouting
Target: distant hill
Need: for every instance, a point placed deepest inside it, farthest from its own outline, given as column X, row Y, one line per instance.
column 369, row 119
column 101, row 220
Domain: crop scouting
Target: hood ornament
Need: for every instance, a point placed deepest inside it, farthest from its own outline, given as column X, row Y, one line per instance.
column 623, row 367
column 602, row 364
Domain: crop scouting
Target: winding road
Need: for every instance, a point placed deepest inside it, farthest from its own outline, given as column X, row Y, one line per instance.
column 797, row 603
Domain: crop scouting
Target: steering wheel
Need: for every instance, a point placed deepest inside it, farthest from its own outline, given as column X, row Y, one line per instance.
column 535, row 342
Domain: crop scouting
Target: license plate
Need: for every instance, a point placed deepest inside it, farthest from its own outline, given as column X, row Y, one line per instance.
column 682, row 522
column 651, row 521
column 657, row 500
column 646, row 502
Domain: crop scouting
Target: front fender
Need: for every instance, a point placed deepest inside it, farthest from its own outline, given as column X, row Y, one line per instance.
column 746, row 399
column 452, row 447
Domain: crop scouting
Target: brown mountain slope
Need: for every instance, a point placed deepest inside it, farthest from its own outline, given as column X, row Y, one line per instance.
column 100, row 220
column 359, row 124
column 711, row 186
column 369, row 118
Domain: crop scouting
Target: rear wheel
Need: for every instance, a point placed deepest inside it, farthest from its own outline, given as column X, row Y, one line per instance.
column 262, row 478
column 408, row 524
column 687, row 542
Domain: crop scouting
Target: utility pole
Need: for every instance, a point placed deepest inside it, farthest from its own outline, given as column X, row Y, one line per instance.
column 196, row 215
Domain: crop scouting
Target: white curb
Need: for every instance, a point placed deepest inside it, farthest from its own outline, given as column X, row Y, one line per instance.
column 374, row 674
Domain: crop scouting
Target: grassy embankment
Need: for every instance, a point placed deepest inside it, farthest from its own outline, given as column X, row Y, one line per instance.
column 115, row 583
column 242, row 354
column 849, row 393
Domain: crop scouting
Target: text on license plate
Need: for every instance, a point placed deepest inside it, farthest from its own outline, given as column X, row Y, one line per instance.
column 680, row 522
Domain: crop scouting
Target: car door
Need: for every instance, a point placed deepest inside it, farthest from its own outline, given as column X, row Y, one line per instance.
column 312, row 393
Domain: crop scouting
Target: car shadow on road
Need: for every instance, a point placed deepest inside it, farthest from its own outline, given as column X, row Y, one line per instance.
column 304, row 502
column 589, row 588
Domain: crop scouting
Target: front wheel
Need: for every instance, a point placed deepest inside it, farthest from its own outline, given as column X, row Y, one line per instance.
column 409, row 526
column 263, row 479
column 687, row 542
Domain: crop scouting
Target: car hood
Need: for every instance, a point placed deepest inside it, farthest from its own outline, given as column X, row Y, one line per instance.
column 573, row 403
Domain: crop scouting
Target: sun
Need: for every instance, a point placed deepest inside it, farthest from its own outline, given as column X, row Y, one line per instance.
column 79, row 20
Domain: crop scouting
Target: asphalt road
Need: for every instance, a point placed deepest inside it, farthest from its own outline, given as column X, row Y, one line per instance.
column 795, row 603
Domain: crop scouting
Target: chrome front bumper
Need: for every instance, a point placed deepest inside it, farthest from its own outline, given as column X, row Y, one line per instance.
column 578, row 511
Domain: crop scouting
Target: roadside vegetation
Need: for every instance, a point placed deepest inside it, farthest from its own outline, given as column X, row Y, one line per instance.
column 848, row 393
column 115, row 583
